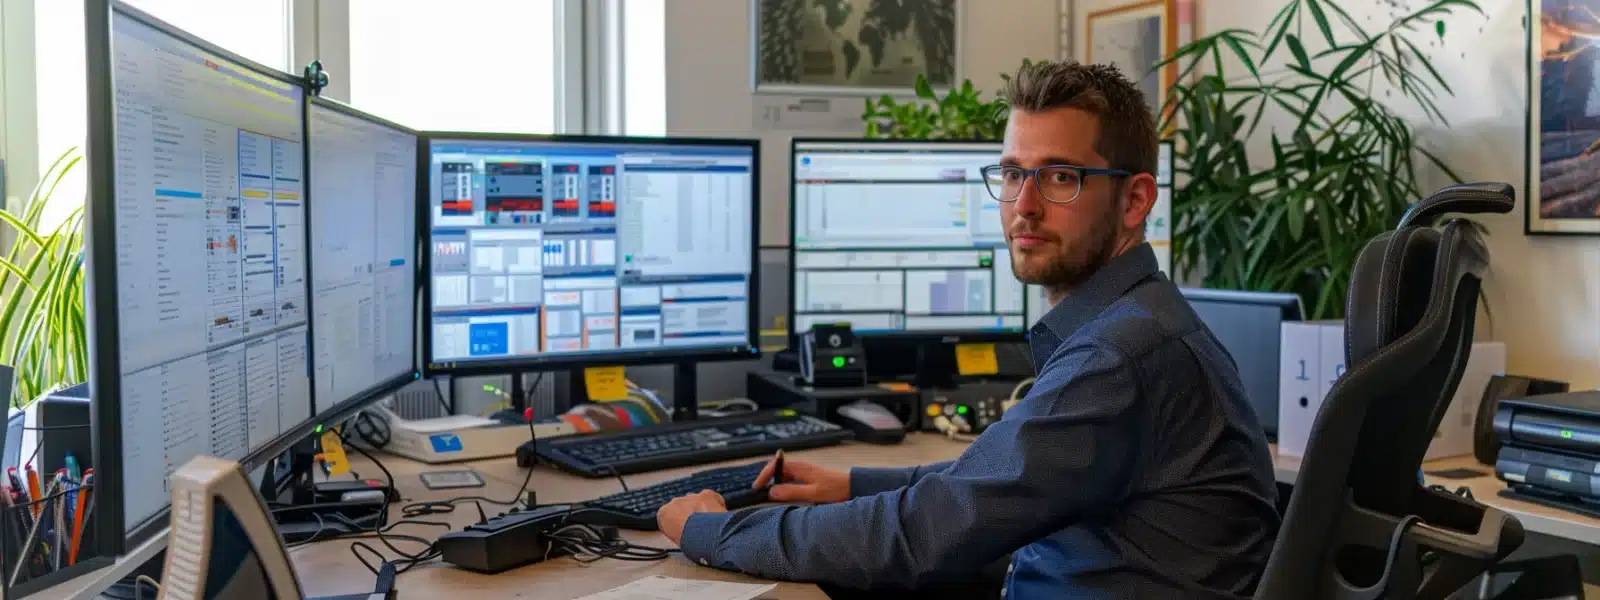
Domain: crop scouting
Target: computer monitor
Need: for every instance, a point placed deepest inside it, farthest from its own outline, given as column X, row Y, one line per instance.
column 1249, row 326
column 363, row 204
column 197, row 268
column 900, row 239
column 558, row 251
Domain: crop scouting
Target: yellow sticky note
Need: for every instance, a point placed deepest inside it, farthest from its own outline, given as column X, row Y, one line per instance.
column 333, row 454
column 605, row 383
column 976, row 359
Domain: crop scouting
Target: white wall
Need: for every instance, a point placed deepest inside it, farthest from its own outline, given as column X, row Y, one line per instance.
column 709, row 90
column 1543, row 292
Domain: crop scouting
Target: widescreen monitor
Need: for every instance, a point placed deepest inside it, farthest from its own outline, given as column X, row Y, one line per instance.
column 900, row 238
column 546, row 251
column 198, row 279
column 363, row 204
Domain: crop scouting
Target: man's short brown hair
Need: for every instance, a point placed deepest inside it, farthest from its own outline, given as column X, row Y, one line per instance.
column 1128, row 137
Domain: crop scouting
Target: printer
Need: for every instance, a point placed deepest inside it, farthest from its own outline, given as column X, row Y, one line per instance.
column 1550, row 449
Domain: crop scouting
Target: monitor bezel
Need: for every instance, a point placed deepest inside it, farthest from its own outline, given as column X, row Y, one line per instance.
column 751, row 349
column 387, row 386
column 112, row 536
column 944, row 336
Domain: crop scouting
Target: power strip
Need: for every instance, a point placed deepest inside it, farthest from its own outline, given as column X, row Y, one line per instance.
column 512, row 539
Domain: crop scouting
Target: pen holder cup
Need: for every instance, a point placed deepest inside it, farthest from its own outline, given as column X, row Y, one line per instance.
column 41, row 541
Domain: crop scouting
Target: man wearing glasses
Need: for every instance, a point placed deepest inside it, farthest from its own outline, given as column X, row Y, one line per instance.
column 1134, row 468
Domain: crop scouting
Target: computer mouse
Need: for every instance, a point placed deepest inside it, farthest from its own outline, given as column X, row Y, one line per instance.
column 872, row 422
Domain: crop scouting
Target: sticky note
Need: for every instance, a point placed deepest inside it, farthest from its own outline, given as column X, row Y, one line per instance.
column 976, row 359
column 333, row 454
column 605, row 383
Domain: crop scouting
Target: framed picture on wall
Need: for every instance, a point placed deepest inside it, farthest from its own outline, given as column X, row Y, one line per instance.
column 855, row 46
column 1135, row 36
column 1563, row 145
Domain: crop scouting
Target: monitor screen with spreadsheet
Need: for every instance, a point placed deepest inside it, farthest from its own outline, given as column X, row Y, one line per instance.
column 900, row 238
column 563, row 250
column 198, row 267
column 363, row 181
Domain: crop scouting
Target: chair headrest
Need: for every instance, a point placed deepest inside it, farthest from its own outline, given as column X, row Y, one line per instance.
column 1399, row 273
column 1466, row 198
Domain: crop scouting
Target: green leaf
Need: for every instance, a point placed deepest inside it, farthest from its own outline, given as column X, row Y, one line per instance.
column 923, row 88
column 1299, row 52
column 1321, row 18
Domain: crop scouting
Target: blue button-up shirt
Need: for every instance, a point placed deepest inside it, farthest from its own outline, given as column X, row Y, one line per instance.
column 1134, row 468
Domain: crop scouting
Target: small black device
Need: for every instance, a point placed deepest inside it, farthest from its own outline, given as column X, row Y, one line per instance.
column 1485, row 445
column 831, row 357
column 636, row 508
column 970, row 407
column 872, row 423
column 507, row 541
column 1550, row 446
column 684, row 443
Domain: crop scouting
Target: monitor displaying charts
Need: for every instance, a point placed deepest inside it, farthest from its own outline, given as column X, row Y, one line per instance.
column 900, row 238
column 547, row 250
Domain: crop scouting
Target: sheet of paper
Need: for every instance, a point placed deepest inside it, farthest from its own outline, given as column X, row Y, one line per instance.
column 657, row 587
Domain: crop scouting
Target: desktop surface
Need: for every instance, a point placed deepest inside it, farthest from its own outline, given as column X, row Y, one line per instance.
column 329, row 568
column 900, row 238
column 552, row 250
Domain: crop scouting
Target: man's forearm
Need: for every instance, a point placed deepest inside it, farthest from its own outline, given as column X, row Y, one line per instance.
column 867, row 481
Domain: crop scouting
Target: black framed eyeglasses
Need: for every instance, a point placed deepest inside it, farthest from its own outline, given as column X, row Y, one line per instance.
column 1056, row 183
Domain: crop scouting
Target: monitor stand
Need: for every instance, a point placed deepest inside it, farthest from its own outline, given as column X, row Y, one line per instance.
column 936, row 366
column 304, row 508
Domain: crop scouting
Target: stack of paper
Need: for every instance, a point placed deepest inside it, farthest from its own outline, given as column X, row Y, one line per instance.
column 670, row 588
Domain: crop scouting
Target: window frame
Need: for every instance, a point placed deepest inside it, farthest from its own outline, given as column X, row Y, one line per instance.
column 589, row 41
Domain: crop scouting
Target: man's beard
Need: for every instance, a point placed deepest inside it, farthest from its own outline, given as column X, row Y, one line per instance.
column 1078, row 260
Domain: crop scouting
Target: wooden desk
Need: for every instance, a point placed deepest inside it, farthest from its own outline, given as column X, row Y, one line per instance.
column 1535, row 518
column 327, row 568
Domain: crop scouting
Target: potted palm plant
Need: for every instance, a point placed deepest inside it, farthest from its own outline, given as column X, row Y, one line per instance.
column 1343, row 165
column 43, row 334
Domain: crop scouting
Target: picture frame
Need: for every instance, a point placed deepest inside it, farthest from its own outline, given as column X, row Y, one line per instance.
column 854, row 47
column 1562, row 152
column 1134, row 36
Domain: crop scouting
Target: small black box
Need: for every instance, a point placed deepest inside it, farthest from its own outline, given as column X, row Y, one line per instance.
column 771, row 389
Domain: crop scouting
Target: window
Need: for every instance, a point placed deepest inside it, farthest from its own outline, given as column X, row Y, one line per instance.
column 644, row 24
column 255, row 29
column 481, row 65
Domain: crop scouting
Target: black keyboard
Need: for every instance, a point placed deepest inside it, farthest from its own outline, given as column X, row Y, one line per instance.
column 636, row 509
column 685, row 443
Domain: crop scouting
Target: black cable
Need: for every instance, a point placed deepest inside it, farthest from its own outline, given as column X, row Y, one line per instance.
column 55, row 427
column 436, row 507
column 449, row 408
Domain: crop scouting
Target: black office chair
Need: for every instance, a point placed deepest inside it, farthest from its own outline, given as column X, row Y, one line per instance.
column 1359, row 525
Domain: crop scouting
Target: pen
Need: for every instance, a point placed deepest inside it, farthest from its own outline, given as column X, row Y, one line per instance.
column 33, row 490
column 777, row 469
column 77, row 519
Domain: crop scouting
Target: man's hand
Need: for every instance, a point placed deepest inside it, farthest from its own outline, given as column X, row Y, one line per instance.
column 805, row 482
column 672, row 516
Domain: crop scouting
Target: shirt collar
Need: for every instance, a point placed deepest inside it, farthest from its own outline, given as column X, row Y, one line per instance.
column 1105, row 286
